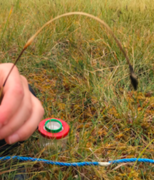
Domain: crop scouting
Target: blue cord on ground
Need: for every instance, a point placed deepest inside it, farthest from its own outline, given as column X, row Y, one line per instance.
column 21, row 158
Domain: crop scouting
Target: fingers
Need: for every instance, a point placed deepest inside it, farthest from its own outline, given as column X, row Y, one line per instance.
column 26, row 130
column 20, row 111
column 13, row 93
column 23, row 113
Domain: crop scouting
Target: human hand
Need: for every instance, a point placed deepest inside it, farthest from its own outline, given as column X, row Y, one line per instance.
column 20, row 110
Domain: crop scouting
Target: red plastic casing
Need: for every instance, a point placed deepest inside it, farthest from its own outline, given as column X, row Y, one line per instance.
column 50, row 135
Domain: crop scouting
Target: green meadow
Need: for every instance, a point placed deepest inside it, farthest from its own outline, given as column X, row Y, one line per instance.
column 81, row 76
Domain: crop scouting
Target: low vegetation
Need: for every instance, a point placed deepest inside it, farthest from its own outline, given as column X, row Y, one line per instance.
column 81, row 76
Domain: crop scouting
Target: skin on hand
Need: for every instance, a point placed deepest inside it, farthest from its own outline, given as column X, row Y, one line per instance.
column 20, row 111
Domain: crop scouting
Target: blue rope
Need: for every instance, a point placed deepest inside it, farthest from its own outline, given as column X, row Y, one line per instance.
column 131, row 160
column 21, row 158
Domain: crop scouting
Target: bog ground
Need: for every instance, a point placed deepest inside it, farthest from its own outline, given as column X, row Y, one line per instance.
column 81, row 76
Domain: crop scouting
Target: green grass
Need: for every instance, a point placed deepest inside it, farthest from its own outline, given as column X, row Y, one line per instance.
column 81, row 76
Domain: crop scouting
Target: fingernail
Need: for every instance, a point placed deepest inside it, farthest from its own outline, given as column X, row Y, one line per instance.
column 14, row 138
